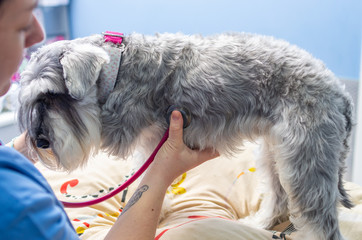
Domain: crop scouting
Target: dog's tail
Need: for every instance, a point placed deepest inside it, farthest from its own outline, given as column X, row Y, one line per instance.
column 348, row 113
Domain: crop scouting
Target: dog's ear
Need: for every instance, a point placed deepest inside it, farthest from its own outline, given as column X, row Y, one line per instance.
column 81, row 67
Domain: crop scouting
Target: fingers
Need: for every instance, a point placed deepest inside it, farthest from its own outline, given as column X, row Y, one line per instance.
column 176, row 128
column 176, row 139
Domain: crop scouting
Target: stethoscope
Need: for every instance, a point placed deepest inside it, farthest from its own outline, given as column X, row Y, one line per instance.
column 186, row 122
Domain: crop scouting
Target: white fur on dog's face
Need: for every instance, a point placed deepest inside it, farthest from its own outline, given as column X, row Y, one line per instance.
column 59, row 81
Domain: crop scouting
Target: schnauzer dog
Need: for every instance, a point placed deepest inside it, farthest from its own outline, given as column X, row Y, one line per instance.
column 81, row 95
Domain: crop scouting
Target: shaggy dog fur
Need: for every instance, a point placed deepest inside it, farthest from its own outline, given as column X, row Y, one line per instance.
column 236, row 86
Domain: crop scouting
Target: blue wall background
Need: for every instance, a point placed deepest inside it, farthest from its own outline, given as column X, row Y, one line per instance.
column 329, row 29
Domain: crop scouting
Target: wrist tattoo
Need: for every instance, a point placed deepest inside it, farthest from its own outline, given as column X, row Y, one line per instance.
column 135, row 197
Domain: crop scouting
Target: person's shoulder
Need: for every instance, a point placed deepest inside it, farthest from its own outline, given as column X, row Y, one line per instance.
column 10, row 156
column 11, row 161
column 19, row 179
column 28, row 205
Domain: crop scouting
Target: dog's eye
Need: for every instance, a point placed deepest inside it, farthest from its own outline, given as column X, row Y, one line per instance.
column 42, row 143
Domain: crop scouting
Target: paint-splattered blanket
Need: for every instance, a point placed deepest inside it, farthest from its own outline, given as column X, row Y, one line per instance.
column 204, row 203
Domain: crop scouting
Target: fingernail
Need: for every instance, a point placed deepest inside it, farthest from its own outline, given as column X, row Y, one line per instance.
column 175, row 116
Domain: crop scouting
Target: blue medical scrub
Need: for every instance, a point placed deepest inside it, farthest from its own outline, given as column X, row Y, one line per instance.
column 28, row 207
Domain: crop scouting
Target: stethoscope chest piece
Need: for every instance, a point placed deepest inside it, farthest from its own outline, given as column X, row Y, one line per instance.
column 186, row 115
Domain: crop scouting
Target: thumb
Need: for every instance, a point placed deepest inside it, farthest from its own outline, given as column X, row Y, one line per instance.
column 176, row 128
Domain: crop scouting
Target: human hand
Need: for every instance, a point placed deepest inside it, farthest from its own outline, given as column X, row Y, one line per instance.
column 19, row 144
column 174, row 158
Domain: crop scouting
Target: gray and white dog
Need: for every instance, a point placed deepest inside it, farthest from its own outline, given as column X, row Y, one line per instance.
column 235, row 86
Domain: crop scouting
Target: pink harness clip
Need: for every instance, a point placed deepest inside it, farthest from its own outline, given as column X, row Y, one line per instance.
column 114, row 37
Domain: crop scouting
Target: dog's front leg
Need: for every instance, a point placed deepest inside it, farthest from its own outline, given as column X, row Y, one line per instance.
column 274, row 206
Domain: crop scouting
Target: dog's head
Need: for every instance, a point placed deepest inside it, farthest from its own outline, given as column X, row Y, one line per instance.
column 58, row 102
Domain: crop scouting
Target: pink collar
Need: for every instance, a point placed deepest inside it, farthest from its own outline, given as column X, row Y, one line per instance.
column 114, row 37
column 109, row 72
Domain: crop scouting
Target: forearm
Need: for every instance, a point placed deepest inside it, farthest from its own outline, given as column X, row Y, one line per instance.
column 139, row 218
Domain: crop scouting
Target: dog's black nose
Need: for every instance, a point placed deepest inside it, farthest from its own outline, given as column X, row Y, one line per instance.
column 186, row 116
column 42, row 143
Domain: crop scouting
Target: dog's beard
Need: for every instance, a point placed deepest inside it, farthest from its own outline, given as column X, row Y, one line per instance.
column 71, row 147
column 63, row 131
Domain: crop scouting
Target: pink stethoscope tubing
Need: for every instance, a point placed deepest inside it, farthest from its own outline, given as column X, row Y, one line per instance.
column 124, row 185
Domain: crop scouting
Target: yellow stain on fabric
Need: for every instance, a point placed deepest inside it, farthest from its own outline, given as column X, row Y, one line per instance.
column 80, row 230
column 114, row 214
column 175, row 189
column 183, row 177
column 178, row 190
